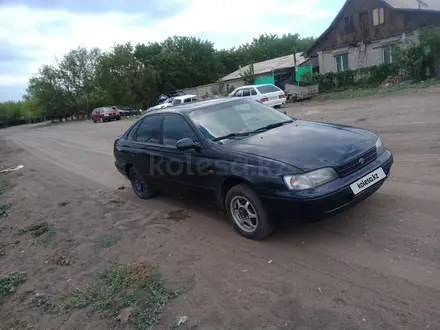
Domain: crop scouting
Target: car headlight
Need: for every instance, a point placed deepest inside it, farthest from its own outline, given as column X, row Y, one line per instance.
column 380, row 148
column 311, row 179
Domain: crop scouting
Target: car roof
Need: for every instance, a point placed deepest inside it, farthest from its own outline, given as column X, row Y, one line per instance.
column 184, row 96
column 249, row 86
column 189, row 107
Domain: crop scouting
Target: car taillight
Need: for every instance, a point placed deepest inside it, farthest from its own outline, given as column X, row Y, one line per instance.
column 282, row 96
column 264, row 99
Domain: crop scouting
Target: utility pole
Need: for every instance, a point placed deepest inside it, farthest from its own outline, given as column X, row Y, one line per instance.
column 294, row 62
column 420, row 2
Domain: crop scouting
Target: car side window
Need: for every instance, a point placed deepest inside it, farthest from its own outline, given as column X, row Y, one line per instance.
column 187, row 100
column 253, row 91
column 132, row 132
column 149, row 129
column 176, row 102
column 176, row 128
column 246, row 92
column 238, row 93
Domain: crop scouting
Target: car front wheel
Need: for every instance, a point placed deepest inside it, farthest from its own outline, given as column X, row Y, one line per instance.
column 140, row 188
column 247, row 213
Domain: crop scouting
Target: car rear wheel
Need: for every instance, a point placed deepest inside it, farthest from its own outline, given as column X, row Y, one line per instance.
column 140, row 188
column 247, row 213
column 94, row 120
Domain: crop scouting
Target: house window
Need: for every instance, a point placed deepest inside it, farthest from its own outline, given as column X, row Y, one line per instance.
column 378, row 16
column 341, row 62
column 387, row 57
column 349, row 24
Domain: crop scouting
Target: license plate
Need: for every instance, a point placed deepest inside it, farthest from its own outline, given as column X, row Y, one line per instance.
column 368, row 181
column 273, row 98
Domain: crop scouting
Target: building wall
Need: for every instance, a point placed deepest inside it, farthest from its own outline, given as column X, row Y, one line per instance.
column 373, row 54
column 395, row 22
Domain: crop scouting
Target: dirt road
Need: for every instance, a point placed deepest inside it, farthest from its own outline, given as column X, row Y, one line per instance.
column 376, row 266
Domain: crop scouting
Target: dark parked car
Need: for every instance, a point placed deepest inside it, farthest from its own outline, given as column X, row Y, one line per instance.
column 126, row 111
column 253, row 159
column 105, row 114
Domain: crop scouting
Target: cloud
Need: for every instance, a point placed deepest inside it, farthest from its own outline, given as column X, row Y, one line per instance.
column 151, row 8
column 35, row 32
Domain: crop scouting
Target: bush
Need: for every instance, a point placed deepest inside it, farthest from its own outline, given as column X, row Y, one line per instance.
column 409, row 61
column 364, row 77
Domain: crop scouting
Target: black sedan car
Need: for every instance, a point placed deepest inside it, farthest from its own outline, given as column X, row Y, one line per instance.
column 253, row 159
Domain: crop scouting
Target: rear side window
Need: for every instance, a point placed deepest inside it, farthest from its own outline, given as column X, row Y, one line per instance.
column 264, row 89
column 246, row 92
column 132, row 132
column 176, row 128
column 149, row 129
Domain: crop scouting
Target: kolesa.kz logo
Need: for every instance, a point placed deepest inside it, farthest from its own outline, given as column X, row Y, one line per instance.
column 365, row 182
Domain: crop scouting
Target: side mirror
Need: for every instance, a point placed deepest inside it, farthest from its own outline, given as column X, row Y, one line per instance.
column 186, row 144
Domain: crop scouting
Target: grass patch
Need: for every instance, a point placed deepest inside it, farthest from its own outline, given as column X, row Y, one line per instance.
column 44, row 304
column 4, row 209
column 105, row 242
column 9, row 284
column 46, row 238
column 5, row 185
column 365, row 92
column 136, row 294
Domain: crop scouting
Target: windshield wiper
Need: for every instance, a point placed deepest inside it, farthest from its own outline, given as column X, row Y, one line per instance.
column 258, row 130
column 230, row 136
column 271, row 126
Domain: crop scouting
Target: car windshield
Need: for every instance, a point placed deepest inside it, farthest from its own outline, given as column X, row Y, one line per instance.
column 106, row 109
column 239, row 117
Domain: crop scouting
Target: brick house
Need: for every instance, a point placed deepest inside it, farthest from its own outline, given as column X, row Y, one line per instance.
column 363, row 31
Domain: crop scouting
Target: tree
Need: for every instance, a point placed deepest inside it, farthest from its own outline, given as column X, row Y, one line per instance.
column 135, row 75
column 248, row 75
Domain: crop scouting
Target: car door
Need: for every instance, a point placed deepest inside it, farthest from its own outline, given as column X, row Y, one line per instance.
column 246, row 93
column 146, row 149
column 238, row 93
column 254, row 94
column 186, row 171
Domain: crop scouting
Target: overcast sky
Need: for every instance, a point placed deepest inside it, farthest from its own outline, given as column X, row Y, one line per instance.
column 34, row 32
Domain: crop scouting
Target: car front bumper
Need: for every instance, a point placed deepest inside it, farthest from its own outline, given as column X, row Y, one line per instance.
column 330, row 198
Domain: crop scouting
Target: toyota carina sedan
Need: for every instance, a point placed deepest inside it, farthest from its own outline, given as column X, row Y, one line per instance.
column 253, row 159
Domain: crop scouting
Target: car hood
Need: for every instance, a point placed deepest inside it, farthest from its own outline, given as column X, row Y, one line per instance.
column 307, row 145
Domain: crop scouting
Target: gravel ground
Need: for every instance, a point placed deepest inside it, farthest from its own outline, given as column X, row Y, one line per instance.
column 375, row 266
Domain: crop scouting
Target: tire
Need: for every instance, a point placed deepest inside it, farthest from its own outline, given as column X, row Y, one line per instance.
column 140, row 188
column 118, row 118
column 94, row 121
column 239, row 195
column 101, row 120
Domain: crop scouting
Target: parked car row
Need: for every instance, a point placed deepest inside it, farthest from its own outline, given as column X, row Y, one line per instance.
column 174, row 101
column 267, row 94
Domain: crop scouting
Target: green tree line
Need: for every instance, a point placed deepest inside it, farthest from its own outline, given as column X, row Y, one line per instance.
column 135, row 75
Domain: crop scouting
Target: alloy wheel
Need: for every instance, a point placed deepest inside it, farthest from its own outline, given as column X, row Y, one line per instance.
column 244, row 214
